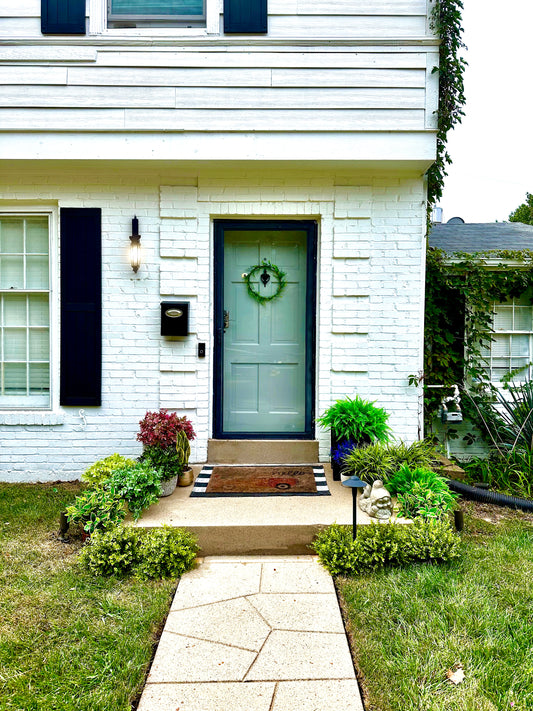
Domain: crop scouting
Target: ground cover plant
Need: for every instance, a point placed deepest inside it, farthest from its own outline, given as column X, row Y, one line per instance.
column 68, row 640
column 410, row 626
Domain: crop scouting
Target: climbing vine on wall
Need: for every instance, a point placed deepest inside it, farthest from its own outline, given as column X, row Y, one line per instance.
column 446, row 22
column 460, row 294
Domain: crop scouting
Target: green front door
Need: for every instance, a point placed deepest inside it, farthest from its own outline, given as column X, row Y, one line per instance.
column 264, row 348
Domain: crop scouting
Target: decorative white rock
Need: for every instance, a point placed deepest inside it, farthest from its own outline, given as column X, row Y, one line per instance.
column 376, row 501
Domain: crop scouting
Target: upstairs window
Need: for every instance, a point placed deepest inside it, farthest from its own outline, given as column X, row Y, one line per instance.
column 156, row 13
column 24, row 311
column 512, row 346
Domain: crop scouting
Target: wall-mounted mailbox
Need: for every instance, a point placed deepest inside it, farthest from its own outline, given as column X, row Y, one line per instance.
column 174, row 318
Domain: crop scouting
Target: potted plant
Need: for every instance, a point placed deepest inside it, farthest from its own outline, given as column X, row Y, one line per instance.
column 158, row 433
column 183, row 452
column 353, row 423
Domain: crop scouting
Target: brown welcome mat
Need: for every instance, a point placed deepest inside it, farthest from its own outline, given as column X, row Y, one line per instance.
column 225, row 480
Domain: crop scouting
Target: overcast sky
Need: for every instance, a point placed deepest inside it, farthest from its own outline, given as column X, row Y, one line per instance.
column 492, row 150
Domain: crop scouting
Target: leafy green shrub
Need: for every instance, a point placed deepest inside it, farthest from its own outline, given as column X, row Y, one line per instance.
column 166, row 461
column 146, row 553
column 356, row 420
column 421, row 492
column 100, row 471
column 166, row 553
column 381, row 461
column 114, row 552
column 97, row 509
column 139, row 484
column 508, row 473
column 380, row 545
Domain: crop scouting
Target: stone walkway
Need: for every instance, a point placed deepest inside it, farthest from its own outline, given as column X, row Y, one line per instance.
column 257, row 634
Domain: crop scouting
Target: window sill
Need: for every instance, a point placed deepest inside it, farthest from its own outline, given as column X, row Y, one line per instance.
column 32, row 418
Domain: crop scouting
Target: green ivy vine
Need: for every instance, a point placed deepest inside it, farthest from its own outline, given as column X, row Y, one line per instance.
column 446, row 22
column 460, row 293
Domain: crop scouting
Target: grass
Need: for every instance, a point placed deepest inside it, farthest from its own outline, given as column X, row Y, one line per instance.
column 409, row 626
column 67, row 640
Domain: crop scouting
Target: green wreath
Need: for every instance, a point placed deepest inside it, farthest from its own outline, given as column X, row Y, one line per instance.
column 276, row 273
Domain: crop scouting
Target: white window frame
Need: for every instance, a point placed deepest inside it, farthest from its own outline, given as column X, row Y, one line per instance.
column 98, row 24
column 53, row 271
column 525, row 374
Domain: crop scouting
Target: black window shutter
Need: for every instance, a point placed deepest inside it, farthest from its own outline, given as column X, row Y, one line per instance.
column 245, row 16
column 81, row 306
column 63, row 17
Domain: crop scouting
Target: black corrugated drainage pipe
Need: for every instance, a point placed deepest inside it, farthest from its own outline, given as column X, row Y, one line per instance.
column 489, row 497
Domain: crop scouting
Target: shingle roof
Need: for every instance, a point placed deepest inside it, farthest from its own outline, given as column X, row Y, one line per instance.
column 481, row 237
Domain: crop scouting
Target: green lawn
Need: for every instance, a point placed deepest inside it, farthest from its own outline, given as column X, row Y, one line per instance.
column 410, row 626
column 67, row 640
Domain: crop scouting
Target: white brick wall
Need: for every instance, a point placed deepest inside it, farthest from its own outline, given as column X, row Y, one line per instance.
column 369, row 332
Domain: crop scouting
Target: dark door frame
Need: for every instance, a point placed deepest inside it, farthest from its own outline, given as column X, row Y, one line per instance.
column 311, row 227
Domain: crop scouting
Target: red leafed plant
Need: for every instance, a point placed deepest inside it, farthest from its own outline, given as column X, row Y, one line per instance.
column 159, row 429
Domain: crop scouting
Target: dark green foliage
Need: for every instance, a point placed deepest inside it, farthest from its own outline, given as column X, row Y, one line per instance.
column 509, row 420
column 508, row 473
column 446, row 22
column 97, row 509
column 164, row 460
column 380, row 545
column 453, row 349
column 524, row 212
column 422, row 493
column 138, row 484
column 146, row 553
column 356, row 419
column 380, row 461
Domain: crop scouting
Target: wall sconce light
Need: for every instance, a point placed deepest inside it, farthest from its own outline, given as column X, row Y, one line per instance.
column 135, row 246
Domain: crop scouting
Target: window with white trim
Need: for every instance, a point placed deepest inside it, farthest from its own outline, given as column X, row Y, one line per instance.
column 24, row 311
column 512, row 346
column 156, row 13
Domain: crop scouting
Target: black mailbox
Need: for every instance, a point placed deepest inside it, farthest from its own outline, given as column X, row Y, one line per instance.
column 174, row 318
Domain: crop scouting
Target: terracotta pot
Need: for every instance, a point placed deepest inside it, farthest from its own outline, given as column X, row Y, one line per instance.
column 168, row 486
column 185, row 478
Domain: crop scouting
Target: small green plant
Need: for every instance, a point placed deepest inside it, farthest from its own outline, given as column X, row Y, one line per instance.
column 421, row 493
column 508, row 473
column 101, row 470
column 97, row 509
column 146, row 553
column 356, row 419
column 381, row 461
column 164, row 460
column 183, row 450
column 166, row 553
column 382, row 545
column 138, row 484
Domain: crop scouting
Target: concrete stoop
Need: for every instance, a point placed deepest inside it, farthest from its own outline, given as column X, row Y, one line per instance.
column 255, row 451
column 263, row 525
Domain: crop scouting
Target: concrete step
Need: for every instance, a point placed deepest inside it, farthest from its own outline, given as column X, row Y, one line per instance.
column 262, row 451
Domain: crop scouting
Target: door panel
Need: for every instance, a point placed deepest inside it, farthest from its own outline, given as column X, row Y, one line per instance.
column 264, row 351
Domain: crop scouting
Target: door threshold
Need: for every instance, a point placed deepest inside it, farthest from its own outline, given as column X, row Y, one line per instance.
column 262, row 451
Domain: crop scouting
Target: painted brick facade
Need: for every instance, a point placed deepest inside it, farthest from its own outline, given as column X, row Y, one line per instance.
column 370, row 301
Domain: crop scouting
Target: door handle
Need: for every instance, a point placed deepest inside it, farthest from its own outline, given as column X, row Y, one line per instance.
column 226, row 321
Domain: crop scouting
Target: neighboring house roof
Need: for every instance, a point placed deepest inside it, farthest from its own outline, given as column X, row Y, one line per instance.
column 481, row 237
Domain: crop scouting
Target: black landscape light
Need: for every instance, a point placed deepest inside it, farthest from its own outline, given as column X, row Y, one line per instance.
column 354, row 483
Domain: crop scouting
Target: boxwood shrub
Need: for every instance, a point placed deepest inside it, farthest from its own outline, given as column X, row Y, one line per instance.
column 385, row 544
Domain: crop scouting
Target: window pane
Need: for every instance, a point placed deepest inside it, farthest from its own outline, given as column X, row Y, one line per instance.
column 187, row 8
column 522, row 318
column 37, row 235
column 39, row 378
column 39, row 344
column 11, row 236
column 38, row 309
column 15, row 378
column 520, row 346
column 37, row 273
column 15, row 344
column 503, row 318
column 501, row 346
column 11, row 273
column 14, row 309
